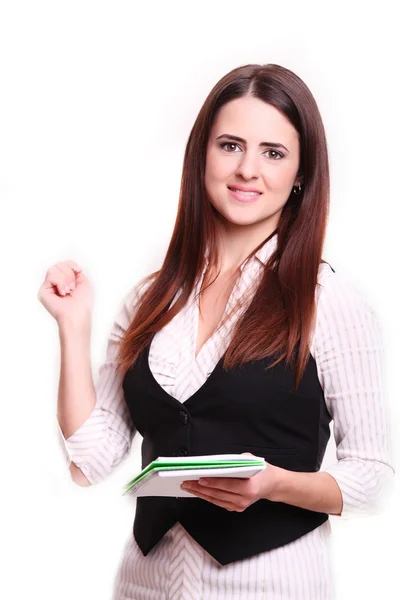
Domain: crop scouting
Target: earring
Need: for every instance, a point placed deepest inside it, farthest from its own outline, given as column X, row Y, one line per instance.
column 299, row 190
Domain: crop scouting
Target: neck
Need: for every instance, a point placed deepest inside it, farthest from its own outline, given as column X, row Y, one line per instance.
column 235, row 243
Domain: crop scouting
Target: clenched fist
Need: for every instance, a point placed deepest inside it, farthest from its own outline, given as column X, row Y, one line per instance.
column 67, row 293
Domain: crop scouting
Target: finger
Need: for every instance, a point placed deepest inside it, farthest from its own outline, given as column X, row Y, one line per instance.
column 74, row 273
column 64, row 268
column 213, row 500
column 216, row 494
column 74, row 266
column 69, row 268
column 55, row 280
column 62, row 276
column 234, row 485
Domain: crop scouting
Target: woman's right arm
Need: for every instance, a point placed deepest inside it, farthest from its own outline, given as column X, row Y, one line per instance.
column 76, row 391
column 94, row 420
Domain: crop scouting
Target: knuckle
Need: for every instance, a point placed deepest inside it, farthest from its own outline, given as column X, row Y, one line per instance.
column 73, row 266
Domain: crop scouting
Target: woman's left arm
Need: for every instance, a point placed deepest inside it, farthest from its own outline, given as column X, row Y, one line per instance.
column 349, row 353
column 348, row 350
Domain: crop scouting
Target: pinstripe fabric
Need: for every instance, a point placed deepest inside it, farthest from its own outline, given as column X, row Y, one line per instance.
column 347, row 347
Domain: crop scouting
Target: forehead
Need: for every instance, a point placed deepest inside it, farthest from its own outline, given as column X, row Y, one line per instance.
column 255, row 121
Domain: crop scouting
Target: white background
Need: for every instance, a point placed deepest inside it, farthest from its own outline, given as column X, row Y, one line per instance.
column 97, row 101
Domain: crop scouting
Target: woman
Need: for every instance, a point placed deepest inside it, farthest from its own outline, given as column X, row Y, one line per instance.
column 251, row 343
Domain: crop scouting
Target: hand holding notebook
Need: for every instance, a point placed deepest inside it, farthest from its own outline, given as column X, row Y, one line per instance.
column 163, row 476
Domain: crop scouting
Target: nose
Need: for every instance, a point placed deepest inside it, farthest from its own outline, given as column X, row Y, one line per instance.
column 248, row 166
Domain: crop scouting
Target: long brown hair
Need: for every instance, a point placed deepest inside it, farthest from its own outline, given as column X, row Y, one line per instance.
column 280, row 317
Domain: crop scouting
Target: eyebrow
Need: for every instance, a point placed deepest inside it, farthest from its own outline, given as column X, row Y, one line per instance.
column 239, row 139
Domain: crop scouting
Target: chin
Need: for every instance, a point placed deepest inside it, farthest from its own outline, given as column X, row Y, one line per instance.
column 238, row 217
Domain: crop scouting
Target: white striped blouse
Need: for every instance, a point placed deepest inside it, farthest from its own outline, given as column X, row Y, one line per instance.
column 347, row 347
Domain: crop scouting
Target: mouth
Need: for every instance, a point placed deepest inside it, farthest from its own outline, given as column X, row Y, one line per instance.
column 242, row 195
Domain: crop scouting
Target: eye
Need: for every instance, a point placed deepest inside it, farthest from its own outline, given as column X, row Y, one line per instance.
column 228, row 144
column 278, row 155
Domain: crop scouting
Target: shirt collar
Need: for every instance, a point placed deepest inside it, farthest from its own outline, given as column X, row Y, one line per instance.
column 262, row 254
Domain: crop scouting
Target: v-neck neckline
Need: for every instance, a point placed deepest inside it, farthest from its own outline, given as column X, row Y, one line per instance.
column 164, row 392
column 195, row 318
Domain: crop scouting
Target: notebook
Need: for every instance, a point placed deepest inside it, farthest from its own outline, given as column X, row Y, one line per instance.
column 164, row 475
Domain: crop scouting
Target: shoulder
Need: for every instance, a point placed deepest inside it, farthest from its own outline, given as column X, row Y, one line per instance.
column 345, row 313
column 336, row 292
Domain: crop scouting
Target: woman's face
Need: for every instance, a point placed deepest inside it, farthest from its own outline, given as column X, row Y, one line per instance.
column 271, row 170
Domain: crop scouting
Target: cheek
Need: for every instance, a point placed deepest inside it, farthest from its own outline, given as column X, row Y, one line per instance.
column 280, row 180
column 217, row 169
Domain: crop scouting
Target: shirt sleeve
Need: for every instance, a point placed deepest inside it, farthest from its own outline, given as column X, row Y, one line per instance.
column 349, row 353
column 105, row 438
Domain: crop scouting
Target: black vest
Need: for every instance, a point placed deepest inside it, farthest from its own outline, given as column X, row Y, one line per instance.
column 244, row 409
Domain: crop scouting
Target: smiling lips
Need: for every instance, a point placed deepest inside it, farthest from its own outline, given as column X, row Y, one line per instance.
column 242, row 188
column 243, row 195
